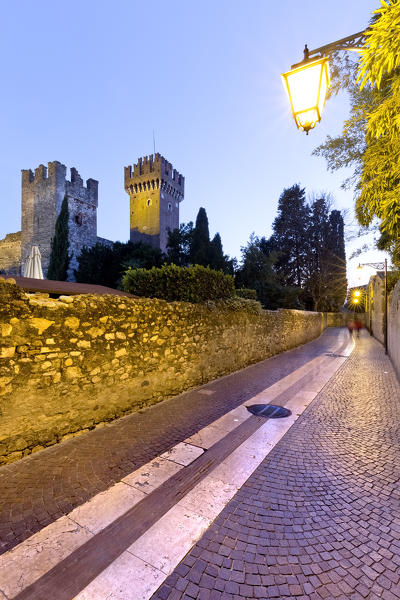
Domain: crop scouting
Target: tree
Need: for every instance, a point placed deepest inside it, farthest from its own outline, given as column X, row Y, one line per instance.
column 179, row 245
column 200, row 246
column 103, row 265
column 257, row 272
column 138, row 255
column 289, row 237
column 98, row 265
column 59, row 257
column 379, row 68
column 336, row 258
column 370, row 141
column 326, row 284
column 217, row 258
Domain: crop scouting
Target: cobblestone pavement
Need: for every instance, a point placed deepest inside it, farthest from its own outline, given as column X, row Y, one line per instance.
column 42, row 487
column 320, row 518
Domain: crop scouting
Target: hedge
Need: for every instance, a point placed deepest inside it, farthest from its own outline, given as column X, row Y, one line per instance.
column 188, row 284
column 247, row 293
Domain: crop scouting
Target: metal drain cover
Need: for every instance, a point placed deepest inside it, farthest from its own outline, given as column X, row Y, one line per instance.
column 269, row 411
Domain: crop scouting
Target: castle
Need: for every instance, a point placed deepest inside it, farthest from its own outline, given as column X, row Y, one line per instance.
column 155, row 190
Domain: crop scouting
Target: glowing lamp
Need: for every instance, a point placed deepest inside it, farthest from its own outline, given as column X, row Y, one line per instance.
column 307, row 84
column 357, row 293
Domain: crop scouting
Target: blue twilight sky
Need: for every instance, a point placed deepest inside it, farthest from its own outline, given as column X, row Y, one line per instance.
column 86, row 82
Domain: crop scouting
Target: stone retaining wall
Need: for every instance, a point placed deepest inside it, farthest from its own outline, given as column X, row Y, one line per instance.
column 394, row 327
column 71, row 364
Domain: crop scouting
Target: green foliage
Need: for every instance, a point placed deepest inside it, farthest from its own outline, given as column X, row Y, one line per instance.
column 257, row 272
column 371, row 137
column 188, row 284
column 200, row 246
column 103, row 265
column 392, row 278
column 289, row 236
column 381, row 52
column 239, row 304
column 247, row 293
column 179, row 245
column 308, row 244
column 326, row 284
column 59, row 257
column 191, row 245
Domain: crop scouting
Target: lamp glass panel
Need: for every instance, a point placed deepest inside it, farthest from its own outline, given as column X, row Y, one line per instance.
column 307, row 86
column 304, row 84
column 325, row 80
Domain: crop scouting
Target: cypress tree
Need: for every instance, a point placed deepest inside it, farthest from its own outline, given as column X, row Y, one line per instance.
column 337, row 259
column 59, row 257
column 200, row 247
column 218, row 261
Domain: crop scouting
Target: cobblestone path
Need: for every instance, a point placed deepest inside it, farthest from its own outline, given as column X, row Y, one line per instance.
column 320, row 518
column 42, row 487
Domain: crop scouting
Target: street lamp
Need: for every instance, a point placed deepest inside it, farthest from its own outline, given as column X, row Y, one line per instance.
column 307, row 82
column 379, row 266
column 307, row 86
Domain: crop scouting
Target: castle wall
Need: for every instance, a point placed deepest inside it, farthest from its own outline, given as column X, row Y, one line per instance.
column 42, row 196
column 155, row 189
column 82, row 205
column 70, row 364
column 375, row 306
column 394, row 327
column 10, row 254
column 105, row 242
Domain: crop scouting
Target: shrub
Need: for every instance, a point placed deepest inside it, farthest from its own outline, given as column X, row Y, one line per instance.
column 247, row 293
column 188, row 284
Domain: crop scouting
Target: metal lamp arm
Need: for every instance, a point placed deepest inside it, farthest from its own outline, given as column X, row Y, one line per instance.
column 351, row 42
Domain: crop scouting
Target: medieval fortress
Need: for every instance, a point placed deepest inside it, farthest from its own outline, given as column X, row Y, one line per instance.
column 155, row 189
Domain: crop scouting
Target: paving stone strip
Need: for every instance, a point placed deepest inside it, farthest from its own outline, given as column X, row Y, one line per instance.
column 320, row 517
column 42, row 487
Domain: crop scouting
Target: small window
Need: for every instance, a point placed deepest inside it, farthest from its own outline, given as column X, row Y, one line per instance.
column 148, row 201
column 78, row 219
column 169, row 207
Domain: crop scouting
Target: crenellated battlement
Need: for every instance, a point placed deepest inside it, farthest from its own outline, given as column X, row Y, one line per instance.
column 154, row 172
column 54, row 175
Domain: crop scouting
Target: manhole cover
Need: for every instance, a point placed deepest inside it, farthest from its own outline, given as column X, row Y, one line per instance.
column 269, row 411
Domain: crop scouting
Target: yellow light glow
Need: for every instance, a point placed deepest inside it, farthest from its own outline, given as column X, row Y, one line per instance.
column 307, row 86
column 356, row 293
column 355, row 300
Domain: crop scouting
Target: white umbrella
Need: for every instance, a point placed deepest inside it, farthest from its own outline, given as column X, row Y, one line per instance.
column 33, row 264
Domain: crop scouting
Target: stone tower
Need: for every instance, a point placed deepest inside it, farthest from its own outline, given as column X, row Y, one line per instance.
column 155, row 189
column 42, row 196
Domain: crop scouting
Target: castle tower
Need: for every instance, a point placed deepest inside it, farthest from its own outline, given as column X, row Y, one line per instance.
column 155, row 189
column 42, row 196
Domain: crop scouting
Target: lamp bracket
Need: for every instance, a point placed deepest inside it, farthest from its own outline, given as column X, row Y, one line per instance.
column 351, row 42
column 379, row 266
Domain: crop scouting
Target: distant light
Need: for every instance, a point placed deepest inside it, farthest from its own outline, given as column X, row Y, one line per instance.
column 307, row 85
column 356, row 293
